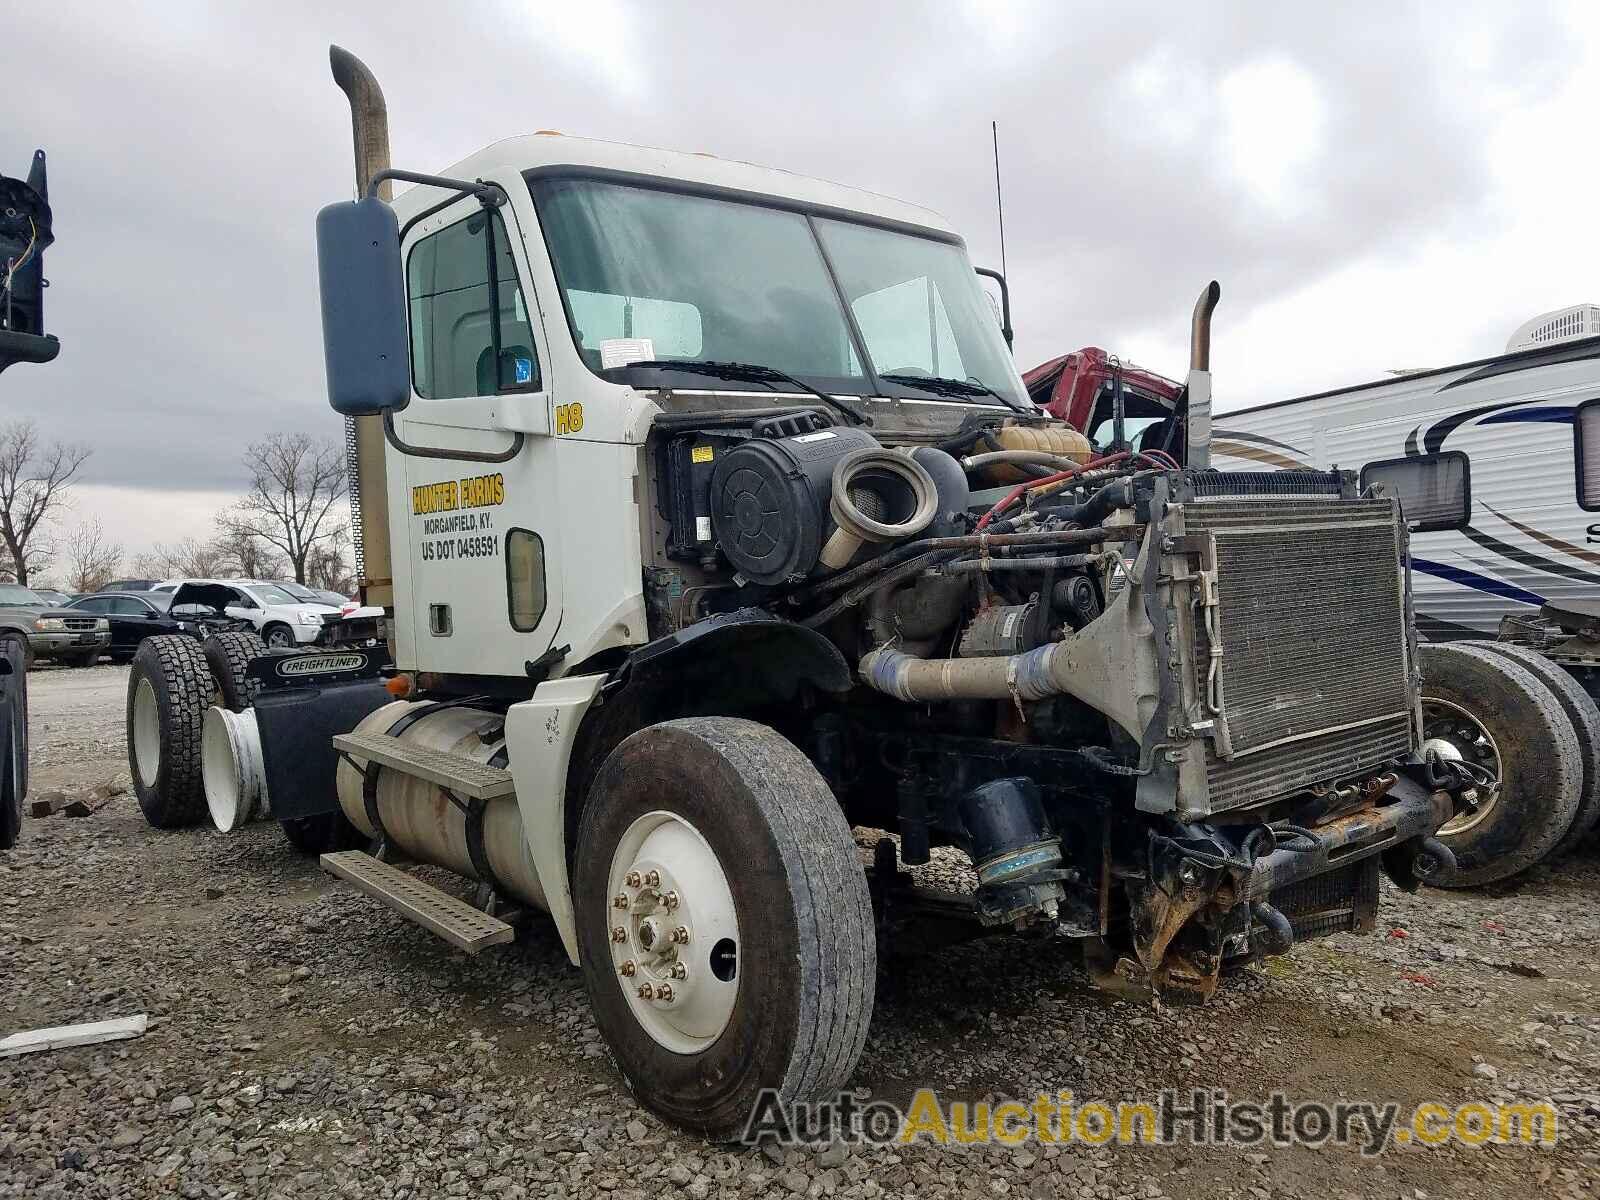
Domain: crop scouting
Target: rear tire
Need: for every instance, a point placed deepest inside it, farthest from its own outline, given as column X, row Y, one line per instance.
column 228, row 654
column 169, row 688
column 751, row 829
column 14, row 781
column 323, row 833
column 1541, row 763
column 1585, row 717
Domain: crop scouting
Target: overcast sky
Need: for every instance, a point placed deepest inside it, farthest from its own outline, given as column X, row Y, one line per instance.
column 1375, row 186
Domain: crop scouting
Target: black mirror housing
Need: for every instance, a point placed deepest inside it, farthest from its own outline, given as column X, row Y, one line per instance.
column 363, row 308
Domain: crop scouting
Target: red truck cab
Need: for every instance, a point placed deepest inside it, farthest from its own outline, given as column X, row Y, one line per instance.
column 1079, row 388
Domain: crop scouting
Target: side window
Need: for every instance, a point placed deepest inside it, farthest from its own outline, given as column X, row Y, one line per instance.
column 454, row 327
column 1435, row 490
column 525, row 589
column 1586, row 454
column 124, row 606
column 240, row 600
column 96, row 604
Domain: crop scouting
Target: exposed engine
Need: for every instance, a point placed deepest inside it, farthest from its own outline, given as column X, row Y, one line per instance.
column 1171, row 712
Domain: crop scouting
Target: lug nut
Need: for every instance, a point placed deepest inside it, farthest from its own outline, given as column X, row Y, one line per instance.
column 631, row 879
column 621, row 901
column 652, row 879
column 645, row 992
column 628, row 968
column 663, row 991
column 680, row 936
column 619, row 934
column 679, row 971
column 670, row 901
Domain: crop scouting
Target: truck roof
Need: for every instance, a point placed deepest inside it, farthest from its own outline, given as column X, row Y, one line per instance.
column 645, row 164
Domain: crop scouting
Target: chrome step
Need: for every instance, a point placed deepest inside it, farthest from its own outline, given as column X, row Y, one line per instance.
column 466, row 777
column 456, row 921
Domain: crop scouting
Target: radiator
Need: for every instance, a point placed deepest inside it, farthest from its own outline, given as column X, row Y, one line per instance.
column 1315, row 671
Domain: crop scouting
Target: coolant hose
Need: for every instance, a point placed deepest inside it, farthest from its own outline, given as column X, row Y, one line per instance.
column 1040, row 458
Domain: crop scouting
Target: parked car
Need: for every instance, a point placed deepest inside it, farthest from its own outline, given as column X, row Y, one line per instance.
column 303, row 591
column 134, row 616
column 280, row 618
column 47, row 631
column 129, row 585
column 51, row 596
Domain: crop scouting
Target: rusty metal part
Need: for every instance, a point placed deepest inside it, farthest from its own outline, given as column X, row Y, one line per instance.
column 1414, row 812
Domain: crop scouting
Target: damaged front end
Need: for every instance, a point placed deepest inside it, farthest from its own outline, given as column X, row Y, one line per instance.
column 1256, row 664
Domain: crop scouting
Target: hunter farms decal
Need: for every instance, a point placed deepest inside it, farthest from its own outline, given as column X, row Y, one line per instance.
column 457, row 523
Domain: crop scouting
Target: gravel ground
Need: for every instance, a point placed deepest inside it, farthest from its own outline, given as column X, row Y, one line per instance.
column 306, row 1042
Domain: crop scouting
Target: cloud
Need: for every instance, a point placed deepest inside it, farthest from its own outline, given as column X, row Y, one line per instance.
column 1375, row 185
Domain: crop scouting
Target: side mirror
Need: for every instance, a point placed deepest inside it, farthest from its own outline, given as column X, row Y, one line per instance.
column 363, row 308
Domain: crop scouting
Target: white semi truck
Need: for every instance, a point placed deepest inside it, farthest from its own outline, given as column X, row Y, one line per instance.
column 711, row 522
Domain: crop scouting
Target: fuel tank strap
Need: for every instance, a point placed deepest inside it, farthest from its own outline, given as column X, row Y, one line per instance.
column 475, row 849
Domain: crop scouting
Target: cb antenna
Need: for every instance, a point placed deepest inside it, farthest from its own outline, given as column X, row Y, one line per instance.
column 999, row 204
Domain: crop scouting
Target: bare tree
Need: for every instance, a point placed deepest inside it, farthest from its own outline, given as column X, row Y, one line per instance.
column 328, row 568
column 92, row 557
column 244, row 551
column 191, row 558
column 296, row 483
column 34, row 482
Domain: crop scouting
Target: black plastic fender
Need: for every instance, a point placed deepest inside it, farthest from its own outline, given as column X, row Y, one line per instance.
column 773, row 656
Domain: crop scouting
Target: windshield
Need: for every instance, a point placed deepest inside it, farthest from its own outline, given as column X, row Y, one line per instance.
column 271, row 593
column 11, row 593
column 704, row 279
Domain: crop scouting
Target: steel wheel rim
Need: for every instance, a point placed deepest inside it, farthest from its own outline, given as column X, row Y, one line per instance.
column 1443, row 724
column 146, row 733
column 279, row 638
column 673, row 930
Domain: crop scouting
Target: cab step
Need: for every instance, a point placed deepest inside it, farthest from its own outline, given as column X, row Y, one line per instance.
column 456, row 921
column 466, row 777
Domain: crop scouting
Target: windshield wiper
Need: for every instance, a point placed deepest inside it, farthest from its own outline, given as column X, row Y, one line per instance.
column 752, row 373
column 939, row 385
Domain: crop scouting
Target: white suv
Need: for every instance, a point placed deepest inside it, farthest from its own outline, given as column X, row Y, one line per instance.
column 280, row 619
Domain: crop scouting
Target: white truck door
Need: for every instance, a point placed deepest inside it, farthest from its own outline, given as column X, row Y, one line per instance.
column 477, row 570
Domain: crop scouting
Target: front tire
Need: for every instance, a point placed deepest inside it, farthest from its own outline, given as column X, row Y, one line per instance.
column 1486, row 708
column 777, row 990
column 169, row 688
column 278, row 637
column 14, row 782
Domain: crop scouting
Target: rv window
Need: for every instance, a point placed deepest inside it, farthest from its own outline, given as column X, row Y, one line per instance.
column 1435, row 490
column 1586, row 454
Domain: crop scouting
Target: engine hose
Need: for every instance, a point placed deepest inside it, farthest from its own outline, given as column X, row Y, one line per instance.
column 1019, row 458
column 1035, row 563
column 882, row 562
column 1114, row 495
column 942, row 549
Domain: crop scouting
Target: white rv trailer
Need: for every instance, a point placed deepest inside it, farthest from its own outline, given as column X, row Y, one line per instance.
column 1497, row 463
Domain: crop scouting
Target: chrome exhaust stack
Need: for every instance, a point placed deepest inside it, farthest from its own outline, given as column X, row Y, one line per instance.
column 369, row 492
column 1198, row 422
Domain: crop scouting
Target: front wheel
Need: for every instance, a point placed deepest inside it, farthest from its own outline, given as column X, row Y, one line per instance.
column 278, row 637
column 723, row 922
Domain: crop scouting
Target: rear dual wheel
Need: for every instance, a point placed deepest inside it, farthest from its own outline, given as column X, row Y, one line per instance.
column 1480, row 706
column 723, row 922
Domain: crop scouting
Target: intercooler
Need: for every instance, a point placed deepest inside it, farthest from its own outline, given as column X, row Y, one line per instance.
column 1314, row 679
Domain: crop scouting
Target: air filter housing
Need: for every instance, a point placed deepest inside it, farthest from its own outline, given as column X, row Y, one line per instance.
column 769, row 501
